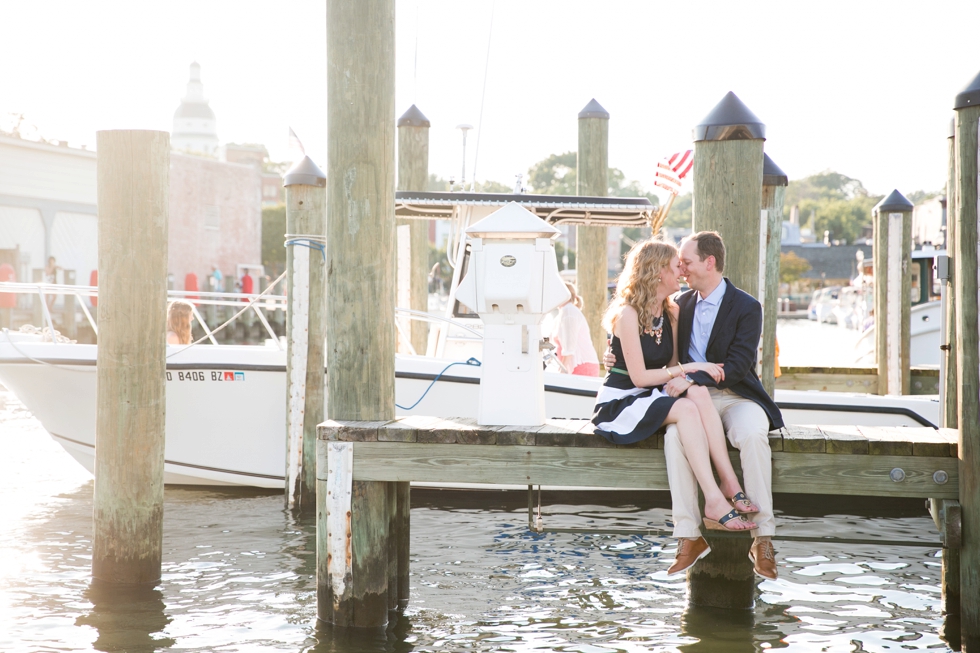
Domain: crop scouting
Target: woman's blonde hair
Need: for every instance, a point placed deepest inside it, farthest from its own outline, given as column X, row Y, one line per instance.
column 179, row 320
column 576, row 299
column 638, row 283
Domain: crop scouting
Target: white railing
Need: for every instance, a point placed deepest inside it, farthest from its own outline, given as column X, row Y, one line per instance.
column 41, row 291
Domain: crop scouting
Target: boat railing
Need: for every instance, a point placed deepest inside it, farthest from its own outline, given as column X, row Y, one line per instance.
column 197, row 298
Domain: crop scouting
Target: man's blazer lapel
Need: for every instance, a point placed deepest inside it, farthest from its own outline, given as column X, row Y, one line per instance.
column 685, row 319
column 721, row 320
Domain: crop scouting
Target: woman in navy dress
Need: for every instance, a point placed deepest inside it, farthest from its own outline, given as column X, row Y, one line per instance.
column 632, row 405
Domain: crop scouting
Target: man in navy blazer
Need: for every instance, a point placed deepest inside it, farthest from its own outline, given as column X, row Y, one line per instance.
column 719, row 323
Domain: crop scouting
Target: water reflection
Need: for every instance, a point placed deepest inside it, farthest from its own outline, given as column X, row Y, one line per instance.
column 239, row 574
column 128, row 618
column 346, row 640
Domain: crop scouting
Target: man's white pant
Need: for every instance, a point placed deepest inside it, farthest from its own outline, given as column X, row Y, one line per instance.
column 747, row 428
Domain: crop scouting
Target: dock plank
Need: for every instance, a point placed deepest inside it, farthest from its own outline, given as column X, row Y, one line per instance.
column 804, row 439
column 886, row 440
column 845, row 439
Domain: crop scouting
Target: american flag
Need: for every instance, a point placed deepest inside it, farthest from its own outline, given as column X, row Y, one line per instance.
column 672, row 170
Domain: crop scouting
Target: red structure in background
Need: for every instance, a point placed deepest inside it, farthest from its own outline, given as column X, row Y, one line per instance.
column 190, row 283
column 247, row 285
column 7, row 273
column 93, row 280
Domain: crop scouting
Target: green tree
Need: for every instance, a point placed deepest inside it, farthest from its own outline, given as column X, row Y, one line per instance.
column 919, row 196
column 831, row 202
column 554, row 175
column 792, row 267
column 681, row 212
column 273, row 231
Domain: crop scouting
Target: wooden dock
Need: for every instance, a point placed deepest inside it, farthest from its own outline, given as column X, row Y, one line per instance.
column 840, row 460
column 361, row 467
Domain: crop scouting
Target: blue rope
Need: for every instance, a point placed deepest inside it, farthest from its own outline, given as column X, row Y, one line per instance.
column 469, row 361
column 320, row 247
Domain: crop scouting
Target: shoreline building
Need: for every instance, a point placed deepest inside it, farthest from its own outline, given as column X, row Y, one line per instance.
column 48, row 197
column 195, row 125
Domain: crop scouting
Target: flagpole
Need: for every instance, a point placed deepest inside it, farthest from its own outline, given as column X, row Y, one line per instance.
column 657, row 223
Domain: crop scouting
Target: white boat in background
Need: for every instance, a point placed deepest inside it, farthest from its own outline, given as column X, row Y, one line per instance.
column 226, row 404
column 927, row 314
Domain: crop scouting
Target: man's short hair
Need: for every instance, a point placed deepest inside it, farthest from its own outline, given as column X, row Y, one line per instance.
column 710, row 244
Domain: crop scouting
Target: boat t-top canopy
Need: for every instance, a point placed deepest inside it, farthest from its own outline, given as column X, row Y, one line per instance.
column 553, row 209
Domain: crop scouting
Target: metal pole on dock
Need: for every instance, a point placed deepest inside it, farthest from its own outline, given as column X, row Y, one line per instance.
column 306, row 215
column 967, row 106
column 134, row 201
column 774, row 183
column 949, row 287
column 728, row 177
column 68, row 312
column 892, row 251
column 591, row 255
column 353, row 520
column 413, row 174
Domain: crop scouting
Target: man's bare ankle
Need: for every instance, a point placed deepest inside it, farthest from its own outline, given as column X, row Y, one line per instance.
column 763, row 538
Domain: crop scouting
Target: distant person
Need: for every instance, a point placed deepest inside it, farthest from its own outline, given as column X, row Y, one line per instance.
column 573, row 341
column 216, row 279
column 248, row 285
column 51, row 276
column 179, row 322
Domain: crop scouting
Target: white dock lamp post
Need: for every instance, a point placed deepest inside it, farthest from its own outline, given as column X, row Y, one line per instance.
column 512, row 282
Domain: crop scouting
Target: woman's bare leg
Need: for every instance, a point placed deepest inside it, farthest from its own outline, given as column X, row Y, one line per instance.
column 684, row 413
column 717, row 443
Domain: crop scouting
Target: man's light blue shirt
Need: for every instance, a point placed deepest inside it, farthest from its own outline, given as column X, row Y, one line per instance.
column 705, row 312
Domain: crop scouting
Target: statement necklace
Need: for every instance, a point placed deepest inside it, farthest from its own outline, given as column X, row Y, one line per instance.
column 656, row 328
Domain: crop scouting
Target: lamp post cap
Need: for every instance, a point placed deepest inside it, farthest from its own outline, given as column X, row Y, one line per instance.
column 730, row 120
column 894, row 203
column 772, row 175
column 593, row 110
column 969, row 96
column 304, row 173
column 413, row 118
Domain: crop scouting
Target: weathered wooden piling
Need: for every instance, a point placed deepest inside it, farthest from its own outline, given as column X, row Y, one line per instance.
column 728, row 180
column 728, row 163
column 352, row 525
column 413, row 174
column 949, row 337
column 892, row 221
column 133, row 193
column 774, row 183
column 591, row 256
column 306, row 198
column 967, row 106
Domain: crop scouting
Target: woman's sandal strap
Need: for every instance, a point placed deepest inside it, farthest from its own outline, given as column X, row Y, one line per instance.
column 732, row 514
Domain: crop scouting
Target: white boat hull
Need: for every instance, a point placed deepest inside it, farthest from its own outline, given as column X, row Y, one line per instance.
column 226, row 404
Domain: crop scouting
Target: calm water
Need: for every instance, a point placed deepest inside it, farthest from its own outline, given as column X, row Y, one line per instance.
column 239, row 575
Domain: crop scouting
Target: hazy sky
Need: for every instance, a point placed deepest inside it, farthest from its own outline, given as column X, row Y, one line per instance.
column 864, row 88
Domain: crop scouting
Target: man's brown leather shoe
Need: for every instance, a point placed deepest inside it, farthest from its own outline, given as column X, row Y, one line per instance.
column 763, row 557
column 688, row 552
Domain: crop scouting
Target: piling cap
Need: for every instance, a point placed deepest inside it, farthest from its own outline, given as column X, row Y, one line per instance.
column 969, row 96
column 304, row 173
column 413, row 118
column 894, row 203
column 772, row 175
column 730, row 120
column 952, row 126
column 593, row 110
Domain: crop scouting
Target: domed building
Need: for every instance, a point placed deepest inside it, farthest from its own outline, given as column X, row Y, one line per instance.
column 195, row 127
